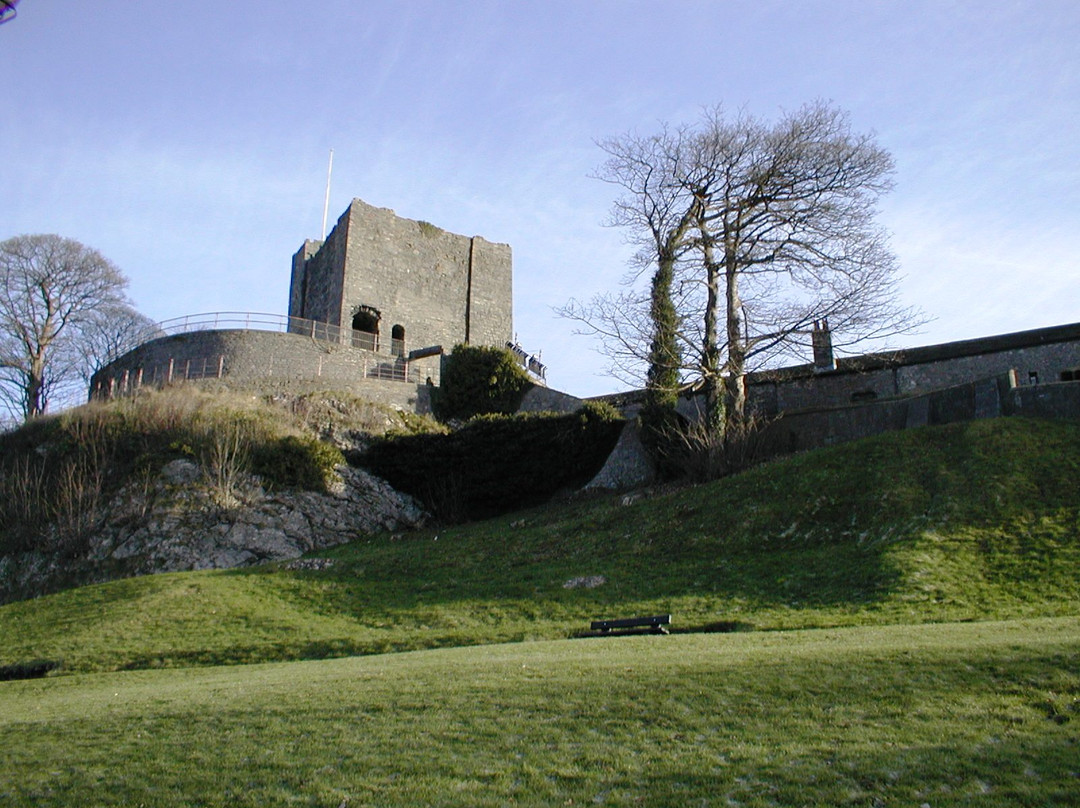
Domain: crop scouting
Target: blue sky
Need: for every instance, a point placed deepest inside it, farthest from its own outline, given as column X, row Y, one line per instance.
column 188, row 142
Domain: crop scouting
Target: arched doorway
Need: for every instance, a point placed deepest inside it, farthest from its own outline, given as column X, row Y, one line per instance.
column 397, row 340
column 365, row 327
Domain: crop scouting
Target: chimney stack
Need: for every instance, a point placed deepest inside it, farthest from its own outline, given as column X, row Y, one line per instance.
column 821, row 338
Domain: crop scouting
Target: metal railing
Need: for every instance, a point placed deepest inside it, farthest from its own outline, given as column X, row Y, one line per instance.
column 323, row 332
column 172, row 371
column 247, row 320
column 528, row 361
column 263, row 321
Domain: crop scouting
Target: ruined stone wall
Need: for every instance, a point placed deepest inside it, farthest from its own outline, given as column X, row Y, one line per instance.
column 440, row 288
column 267, row 360
column 491, row 306
column 318, row 274
column 299, row 280
column 415, row 276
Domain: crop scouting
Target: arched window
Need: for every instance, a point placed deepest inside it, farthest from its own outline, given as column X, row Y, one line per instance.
column 365, row 326
column 397, row 340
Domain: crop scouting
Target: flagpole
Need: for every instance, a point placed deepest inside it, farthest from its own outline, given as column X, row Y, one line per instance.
column 326, row 202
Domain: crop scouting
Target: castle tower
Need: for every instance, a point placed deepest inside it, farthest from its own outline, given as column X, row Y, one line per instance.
column 403, row 285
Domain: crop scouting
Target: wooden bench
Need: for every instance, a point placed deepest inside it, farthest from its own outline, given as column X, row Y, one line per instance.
column 657, row 624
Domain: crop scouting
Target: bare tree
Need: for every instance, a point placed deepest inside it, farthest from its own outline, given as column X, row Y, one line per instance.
column 49, row 287
column 108, row 333
column 767, row 229
column 658, row 214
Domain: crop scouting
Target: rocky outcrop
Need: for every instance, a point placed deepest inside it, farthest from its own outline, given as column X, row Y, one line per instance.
column 177, row 520
column 628, row 465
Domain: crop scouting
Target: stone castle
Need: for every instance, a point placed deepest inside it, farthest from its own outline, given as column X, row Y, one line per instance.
column 403, row 284
column 375, row 307
column 372, row 309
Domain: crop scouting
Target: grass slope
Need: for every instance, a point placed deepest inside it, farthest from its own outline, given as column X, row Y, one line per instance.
column 964, row 522
column 945, row 715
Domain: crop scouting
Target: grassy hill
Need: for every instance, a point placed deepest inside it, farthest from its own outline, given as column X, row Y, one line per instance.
column 975, row 521
column 901, row 618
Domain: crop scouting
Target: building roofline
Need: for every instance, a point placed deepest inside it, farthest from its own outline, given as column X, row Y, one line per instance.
column 928, row 353
column 902, row 357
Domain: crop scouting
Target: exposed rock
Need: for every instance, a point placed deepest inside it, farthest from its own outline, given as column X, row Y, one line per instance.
column 179, row 472
column 585, row 582
column 178, row 521
column 315, row 564
column 628, row 465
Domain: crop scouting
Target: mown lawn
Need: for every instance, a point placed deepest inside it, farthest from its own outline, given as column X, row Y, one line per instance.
column 983, row 714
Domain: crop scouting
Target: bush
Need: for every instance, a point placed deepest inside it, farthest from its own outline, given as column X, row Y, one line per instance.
column 498, row 463
column 691, row 450
column 296, row 462
column 478, row 380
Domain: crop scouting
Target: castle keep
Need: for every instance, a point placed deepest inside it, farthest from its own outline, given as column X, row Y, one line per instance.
column 400, row 285
column 372, row 309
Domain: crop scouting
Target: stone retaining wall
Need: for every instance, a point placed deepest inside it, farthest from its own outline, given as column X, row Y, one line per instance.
column 986, row 398
column 270, row 360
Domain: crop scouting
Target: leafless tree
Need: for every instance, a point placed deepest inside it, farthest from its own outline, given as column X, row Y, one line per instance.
column 638, row 329
column 108, row 333
column 49, row 288
column 768, row 228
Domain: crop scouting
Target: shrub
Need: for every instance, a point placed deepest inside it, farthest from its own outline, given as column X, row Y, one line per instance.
column 478, row 380
column 53, row 479
column 296, row 462
column 691, row 450
column 498, row 463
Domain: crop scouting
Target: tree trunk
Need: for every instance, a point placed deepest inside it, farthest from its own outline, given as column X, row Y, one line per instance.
column 35, row 394
column 658, row 416
column 664, row 354
column 710, row 353
column 735, row 368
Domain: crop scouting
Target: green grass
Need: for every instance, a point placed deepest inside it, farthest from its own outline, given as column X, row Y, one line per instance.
column 983, row 714
column 910, row 635
column 969, row 522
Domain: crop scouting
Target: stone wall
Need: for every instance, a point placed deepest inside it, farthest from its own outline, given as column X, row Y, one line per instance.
column 1059, row 400
column 269, row 360
column 491, row 294
column 316, row 281
column 440, row 288
column 813, row 410
column 991, row 397
column 544, row 399
column 1039, row 357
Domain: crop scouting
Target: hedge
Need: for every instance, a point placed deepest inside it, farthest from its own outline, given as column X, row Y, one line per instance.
column 497, row 463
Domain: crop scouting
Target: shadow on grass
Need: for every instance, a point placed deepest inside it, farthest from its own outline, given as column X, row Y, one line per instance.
column 815, row 530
